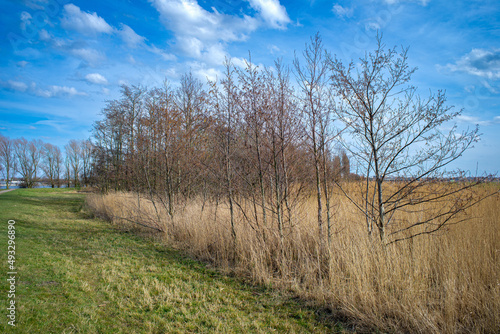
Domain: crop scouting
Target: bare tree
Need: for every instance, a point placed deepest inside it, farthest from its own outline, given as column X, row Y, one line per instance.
column 130, row 110
column 29, row 155
column 398, row 141
column 7, row 159
column 170, row 120
column 52, row 163
column 224, row 105
column 313, row 82
column 74, row 157
column 58, row 165
column 67, row 171
column 86, row 154
column 284, row 131
column 110, row 140
column 254, row 108
column 190, row 101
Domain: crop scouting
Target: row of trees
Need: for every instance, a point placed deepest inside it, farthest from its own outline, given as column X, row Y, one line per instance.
column 261, row 142
column 258, row 139
column 33, row 161
column 242, row 142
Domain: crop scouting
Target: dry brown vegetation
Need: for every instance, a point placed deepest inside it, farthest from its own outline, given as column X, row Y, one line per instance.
column 445, row 282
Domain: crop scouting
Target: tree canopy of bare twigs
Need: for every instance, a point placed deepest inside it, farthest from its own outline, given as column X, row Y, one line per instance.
column 317, row 111
column 401, row 144
column 29, row 155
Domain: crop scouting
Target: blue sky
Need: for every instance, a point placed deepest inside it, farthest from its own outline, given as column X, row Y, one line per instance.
column 61, row 60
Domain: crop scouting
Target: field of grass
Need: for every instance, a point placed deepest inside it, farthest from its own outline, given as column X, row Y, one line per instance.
column 447, row 282
column 77, row 274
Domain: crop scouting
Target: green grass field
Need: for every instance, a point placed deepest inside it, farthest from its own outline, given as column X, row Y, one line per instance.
column 77, row 274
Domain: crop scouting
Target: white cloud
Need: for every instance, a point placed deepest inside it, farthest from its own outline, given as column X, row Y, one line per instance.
column 56, row 124
column 12, row 85
column 479, row 62
column 489, row 87
column 191, row 45
column 83, row 22
column 394, row 2
column 239, row 62
column 162, row 53
column 199, row 32
column 273, row 49
column 243, row 63
column 89, row 55
column 188, row 18
column 33, row 4
column 92, row 24
column 57, row 91
column 272, row 12
column 215, row 54
column 130, row 37
column 96, row 78
column 203, row 72
column 25, row 16
column 26, row 21
column 44, row 35
column 467, row 119
column 22, row 63
column 342, row 12
column 475, row 120
column 51, row 91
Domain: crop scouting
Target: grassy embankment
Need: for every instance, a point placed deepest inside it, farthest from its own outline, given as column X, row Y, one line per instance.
column 82, row 275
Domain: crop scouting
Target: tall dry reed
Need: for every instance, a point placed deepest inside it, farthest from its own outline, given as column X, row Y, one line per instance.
column 448, row 282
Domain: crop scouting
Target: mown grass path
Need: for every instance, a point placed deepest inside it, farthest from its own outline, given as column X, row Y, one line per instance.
column 76, row 274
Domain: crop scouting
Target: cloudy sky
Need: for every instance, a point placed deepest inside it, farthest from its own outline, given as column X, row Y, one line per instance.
column 61, row 60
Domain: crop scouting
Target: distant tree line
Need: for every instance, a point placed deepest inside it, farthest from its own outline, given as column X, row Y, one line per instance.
column 34, row 161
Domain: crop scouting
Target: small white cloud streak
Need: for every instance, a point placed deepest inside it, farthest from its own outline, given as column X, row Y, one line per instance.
column 25, row 16
column 475, row 120
column 395, row 2
column 58, row 91
column 89, row 55
column 342, row 12
column 33, row 89
column 96, row 78
column 160, row 52
column 44, row 35
column 17, row 86
column 130, row 37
